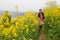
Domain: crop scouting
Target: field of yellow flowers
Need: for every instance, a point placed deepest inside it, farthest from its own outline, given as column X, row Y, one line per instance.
column 26, row 27
column 18, row 28
column 52, row 23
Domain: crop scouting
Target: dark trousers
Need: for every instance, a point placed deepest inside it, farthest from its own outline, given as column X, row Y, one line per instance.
column 39, row 28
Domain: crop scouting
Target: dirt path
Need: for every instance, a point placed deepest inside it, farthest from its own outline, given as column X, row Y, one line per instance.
column 41, row 36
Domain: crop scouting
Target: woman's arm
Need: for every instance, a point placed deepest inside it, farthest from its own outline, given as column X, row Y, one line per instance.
column 38, row 15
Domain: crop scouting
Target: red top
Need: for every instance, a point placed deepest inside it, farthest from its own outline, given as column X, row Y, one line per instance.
column 41, row 17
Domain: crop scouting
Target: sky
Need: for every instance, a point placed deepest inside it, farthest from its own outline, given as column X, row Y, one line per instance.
column 23, row 5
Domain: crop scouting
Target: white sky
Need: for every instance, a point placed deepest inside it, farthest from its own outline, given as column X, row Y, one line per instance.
column 24, row 5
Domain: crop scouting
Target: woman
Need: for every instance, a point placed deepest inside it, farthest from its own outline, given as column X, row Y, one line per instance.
column 41, row 19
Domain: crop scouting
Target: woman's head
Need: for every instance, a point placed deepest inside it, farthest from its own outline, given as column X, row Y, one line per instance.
column 40, row 10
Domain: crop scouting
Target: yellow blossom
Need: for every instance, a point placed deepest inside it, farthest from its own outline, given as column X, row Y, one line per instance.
column 24, row 38
column 30, row 38
column 27, row 30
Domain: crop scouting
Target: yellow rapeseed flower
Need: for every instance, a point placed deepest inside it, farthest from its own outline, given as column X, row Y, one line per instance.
column 24, row 38
column 27, row 30
column 15, row 34
column 35, row 22
column 6, row 31
column 30, row 38
column 26, row 26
